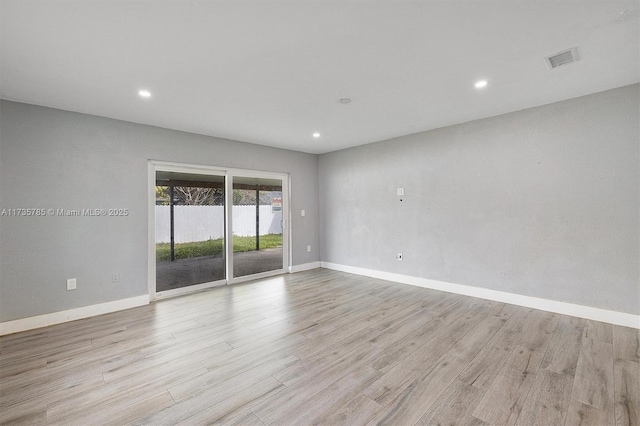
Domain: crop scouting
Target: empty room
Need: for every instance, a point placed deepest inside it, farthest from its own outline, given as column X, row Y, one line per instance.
column 320, row 212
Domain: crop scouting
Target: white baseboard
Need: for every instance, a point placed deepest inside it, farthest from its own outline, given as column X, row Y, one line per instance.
column 29, row 323
column 588, row 312
column 304, row 267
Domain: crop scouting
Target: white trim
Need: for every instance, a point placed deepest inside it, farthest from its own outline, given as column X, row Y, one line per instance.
column 565, row 308
column 304, row 267
column 228, row 231
column 188, row 289
column 30, row 323
column 170, row 166
column 253, row 277
column 151, row 229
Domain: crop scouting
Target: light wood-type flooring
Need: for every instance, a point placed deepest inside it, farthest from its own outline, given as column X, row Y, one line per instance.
column 323, row 347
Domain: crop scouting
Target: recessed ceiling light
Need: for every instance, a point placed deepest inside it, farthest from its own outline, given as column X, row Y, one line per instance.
column 344, row 100
column 144, row 93
column 316, row 135
column 480, row 84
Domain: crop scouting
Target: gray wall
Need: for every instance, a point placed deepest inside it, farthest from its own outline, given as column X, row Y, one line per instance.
column 58, row 159
column 542, row 202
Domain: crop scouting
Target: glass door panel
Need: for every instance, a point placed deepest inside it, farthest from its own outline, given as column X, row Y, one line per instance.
column 257, row 226
column 190, row 227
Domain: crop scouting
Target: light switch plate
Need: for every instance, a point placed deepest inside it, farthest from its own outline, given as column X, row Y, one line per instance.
column 71, row 284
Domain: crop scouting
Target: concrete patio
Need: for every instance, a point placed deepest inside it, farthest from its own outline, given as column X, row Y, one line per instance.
column 185, row 272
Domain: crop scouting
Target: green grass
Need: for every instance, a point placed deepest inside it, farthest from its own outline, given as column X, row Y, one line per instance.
column 214, row 247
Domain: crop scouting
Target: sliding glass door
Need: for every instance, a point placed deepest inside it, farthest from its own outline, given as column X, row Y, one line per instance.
column 257, row 226
column 190, row 229
column 213, row 227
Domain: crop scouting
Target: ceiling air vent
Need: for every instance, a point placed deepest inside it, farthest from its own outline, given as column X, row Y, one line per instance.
column 565, row 57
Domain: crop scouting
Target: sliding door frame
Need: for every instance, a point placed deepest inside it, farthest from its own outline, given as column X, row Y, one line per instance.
column 229, row 173
column 284, row 178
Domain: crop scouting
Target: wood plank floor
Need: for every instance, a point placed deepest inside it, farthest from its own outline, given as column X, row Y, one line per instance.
column 323, row 348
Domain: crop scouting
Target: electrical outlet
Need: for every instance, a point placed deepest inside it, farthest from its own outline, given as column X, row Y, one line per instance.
column 399, row 256
column 309, row 249
column 71, row 284
column 115, row 277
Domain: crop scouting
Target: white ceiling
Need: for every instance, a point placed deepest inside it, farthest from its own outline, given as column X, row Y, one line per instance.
column 271, row 71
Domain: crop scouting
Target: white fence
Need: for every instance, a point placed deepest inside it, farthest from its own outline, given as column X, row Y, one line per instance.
column 201, row 223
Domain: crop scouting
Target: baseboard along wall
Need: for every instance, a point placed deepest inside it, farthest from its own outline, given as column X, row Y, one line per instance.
column 581, row 311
